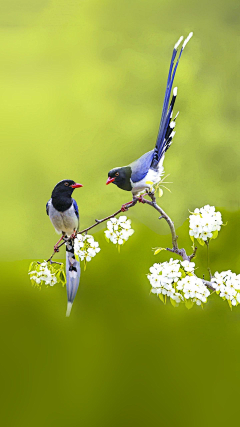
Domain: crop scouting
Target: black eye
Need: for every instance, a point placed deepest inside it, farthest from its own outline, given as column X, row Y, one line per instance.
column 66, row 183
column 117, row 173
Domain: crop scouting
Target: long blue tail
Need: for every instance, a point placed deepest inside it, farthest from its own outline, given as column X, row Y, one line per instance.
column 73, row 272
column 165, row 133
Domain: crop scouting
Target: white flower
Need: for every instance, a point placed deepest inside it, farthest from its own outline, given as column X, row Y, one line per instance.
column 188, row 266
column 119, row 230
column 205, row 235
column 203, row 222
column 85, row 246
column 43, row 274
column 227, row 286
column 208, row 209
column 168, row 278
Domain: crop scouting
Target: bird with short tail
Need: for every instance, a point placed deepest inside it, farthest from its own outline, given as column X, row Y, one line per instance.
column 142, row 174
column 64, row 215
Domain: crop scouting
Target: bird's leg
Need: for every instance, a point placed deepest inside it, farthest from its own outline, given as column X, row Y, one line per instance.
column 74, row 234
column 141, row 198
column 56, row 249
column 125, row 207
column 149, row 193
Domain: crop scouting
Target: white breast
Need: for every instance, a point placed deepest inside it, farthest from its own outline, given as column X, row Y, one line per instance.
column 65, row 221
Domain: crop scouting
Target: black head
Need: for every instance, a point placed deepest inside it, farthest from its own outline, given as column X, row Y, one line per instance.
column 120, row 177
column 62, row 194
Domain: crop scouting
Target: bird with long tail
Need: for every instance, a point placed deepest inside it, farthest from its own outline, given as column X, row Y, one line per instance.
column 143, row 173
column 63, row 212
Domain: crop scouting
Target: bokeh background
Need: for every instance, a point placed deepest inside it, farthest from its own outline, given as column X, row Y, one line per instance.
column 82, row 86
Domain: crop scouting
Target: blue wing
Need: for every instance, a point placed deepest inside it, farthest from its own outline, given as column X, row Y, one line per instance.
column 76, row 208
column 47, row 207
column 141, row 166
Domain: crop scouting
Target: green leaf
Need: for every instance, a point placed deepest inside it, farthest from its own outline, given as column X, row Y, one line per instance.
column 229, row 303
column 159, row 250
column 192, row 238
column 106, row 238
column 202, row 243
column 61, row 277
column 31, row 266
column 173, row 302
column 161, row 297
column 160, row 192
column 189, row 304
column 214, row 234
column 183, row 272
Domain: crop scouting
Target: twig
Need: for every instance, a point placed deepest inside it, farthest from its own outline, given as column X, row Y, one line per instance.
column 208, row 284
column 154, row 204
column 208, row 261
column 181, row 252
column 175, row 249
column 193, row 254
column 97, row 222
column 51, row 262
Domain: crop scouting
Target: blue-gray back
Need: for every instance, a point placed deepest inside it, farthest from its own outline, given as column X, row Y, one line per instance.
column 141, row 166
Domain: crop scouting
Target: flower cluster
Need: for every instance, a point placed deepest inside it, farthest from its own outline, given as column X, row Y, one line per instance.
column 118, row 230
column 205, row 224
column 227, row 285
column 176, row 279
column 193, row 290
column 42, row 274
column 85, row 247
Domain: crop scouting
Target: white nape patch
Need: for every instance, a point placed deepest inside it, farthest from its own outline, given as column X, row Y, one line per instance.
column 175, row 91
column 69, row 308
column 178, row 42
column 187, row 39
column 172, row 125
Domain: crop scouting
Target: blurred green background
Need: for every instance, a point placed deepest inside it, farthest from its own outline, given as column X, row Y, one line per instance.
column 82, row 86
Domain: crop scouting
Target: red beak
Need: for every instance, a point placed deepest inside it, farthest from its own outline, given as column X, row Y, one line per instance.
column 76, row 185
column 109, row 180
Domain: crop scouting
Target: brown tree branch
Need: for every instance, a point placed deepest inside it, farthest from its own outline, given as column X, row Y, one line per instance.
column 154, row 204
column 208, row 284
column 181, row 252
column 175, row 249
column 97, row 222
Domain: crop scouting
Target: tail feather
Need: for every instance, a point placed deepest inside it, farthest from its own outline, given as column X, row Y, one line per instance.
column 73, row 272
column 162, row 143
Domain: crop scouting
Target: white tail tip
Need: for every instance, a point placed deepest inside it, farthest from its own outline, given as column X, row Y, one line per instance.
column 69, row 308
column 178, row 42
column 187, row 40
column 175, row 91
